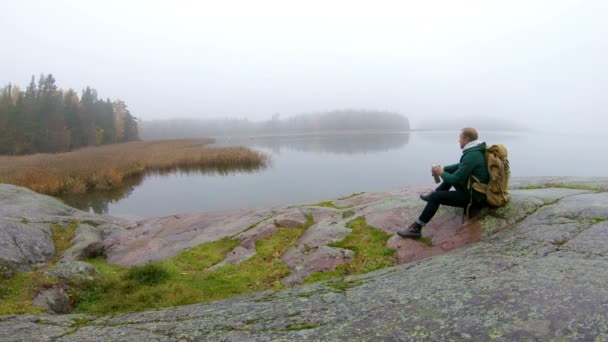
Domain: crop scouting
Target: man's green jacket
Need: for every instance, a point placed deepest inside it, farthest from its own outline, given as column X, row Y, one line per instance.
column 472, row 162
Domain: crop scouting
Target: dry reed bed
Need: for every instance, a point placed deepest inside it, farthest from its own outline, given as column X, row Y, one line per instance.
column 107, row 166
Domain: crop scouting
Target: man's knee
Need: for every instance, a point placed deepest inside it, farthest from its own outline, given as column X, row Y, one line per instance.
column 436, row 196
column 451, row 198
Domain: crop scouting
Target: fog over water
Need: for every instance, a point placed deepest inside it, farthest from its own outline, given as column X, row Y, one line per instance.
column 539, row 63
column 307, row 169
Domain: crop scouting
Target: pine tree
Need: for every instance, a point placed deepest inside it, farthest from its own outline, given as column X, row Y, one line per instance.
column 44, row 118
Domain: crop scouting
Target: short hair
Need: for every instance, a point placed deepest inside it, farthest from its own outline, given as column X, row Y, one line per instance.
column 469, row 133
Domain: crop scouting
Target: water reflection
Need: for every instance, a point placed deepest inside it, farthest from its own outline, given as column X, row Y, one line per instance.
column 221, row 170
column 342, row 143
column 98, row 200
column 451, row 137
column 311, row 169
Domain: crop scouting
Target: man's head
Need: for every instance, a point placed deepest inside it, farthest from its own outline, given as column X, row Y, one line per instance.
column 467, row 135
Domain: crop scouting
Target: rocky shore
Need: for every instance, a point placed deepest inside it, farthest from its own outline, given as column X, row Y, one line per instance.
column 533, row 270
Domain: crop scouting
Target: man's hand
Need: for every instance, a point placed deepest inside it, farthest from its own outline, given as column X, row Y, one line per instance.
column 437, row 170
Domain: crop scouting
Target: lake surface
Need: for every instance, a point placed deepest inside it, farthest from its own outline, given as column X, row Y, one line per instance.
column 312, row 168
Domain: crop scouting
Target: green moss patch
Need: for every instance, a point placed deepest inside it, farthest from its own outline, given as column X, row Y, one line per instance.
column 570, row 186
column 347, row 214
column 327, row 204
column 17, row 293
column 204, row 256
column 302, row 326
column 426, row 240
column 62, row 238
column 559, row 185
column 371, row 253
column 351, row 196
column 186, row 278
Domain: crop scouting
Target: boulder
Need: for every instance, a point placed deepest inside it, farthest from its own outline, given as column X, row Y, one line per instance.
column 293, row 218
column 23, row 245
column 54, row 300
column 87, row 243
column 73, row 270
column 25, row 234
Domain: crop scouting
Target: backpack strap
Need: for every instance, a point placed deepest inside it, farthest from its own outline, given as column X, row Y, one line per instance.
column 478, row 186
column 470, row 187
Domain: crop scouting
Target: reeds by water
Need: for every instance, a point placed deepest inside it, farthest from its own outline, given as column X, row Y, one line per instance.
column 107, row 166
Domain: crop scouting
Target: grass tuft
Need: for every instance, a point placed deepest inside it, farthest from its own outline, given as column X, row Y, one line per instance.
column 347, row 214
column 427, row 241
column 148, row 274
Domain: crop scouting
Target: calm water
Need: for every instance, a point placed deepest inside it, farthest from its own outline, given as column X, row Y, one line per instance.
column 309, row 169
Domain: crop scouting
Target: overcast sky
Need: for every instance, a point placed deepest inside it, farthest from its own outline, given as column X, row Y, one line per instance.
column 538, row 61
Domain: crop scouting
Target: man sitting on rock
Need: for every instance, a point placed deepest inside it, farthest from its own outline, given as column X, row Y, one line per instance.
column 472, row 163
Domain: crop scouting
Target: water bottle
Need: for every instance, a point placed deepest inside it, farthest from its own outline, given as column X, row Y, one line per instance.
column 437, row 179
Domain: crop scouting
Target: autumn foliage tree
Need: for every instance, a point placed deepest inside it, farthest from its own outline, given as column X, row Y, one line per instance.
column 44, row 118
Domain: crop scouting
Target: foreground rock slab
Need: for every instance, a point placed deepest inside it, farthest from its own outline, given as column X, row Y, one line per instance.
column 26, row 218
column 538, row 273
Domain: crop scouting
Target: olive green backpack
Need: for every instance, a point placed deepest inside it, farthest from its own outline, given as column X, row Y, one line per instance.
column 497, row 189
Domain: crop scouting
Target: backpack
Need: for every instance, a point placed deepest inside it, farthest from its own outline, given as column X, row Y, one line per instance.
column 497, row 189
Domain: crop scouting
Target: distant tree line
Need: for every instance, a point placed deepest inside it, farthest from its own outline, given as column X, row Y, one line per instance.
column 47, row 119
column 339, row 120
column 481, row 123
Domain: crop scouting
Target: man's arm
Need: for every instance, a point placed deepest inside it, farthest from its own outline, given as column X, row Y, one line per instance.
column 451, row 168
column 460, row 175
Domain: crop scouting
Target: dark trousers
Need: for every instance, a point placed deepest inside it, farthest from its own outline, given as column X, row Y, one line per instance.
column 442, row 195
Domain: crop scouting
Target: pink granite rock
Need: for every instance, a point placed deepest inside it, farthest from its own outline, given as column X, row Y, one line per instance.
column 446, row 231
column 361, row 199
column 161, row 238
column 320, row 214
column 303, row 261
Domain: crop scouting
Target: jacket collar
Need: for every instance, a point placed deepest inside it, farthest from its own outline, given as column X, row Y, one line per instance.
column 472, row 144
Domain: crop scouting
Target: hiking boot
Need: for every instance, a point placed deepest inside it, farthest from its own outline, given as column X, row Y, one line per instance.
column 412, row 232
column 476, row 209
column 426, row 197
